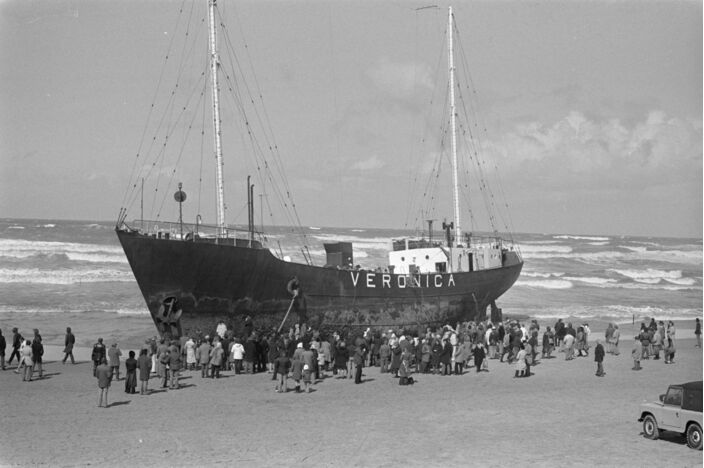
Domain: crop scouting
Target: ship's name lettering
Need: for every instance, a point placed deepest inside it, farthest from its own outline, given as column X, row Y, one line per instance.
column 374, row 280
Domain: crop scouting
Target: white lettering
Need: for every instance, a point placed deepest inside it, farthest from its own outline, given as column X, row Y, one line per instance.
column 416, row 281
column 401, row 284
column 386, row 281
column 438, row 281
column 370, row 280
column 426, row 281
column 355, row 278
column 451, row 281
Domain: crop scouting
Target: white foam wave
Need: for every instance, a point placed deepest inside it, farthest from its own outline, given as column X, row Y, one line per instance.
column 666, row 256
column 598, row 244
column 17, row 248
column 591, row 280
column 537, row 274
column 545, row 251
column 649, row 275
column 620, row 314
column 5, row 309
column 15, row 227
column 590, row 238
column 65, row 276
column 548, row 284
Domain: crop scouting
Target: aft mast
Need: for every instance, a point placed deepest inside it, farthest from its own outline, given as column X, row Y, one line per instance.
column 451, row 66
column 214, row 67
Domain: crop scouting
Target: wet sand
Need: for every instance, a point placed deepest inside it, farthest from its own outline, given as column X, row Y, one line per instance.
column 563, row 415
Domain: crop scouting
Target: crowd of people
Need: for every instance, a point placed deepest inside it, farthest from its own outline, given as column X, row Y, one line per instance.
column 307, row 356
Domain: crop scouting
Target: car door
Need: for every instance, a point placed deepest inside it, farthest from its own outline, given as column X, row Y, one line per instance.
column 672, row 411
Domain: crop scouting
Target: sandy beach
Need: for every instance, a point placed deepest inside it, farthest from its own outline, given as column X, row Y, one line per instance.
column 563, row 415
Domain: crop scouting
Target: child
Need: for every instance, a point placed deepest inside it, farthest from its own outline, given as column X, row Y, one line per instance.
column 307, row 373
column 599, row 359
column 404, row 371
column 637, row 353
column 282, row 365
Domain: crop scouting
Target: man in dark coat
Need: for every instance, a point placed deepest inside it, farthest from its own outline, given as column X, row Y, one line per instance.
column 599, row 359
column 359, row 364
column 16, row 343
column 250, row 354
column 479, row 355
column 69, row 341
column 37, row 353
column 98, row 355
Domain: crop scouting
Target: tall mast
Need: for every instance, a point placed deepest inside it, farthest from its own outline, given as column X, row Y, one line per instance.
column 451, row 62
column 214, row 67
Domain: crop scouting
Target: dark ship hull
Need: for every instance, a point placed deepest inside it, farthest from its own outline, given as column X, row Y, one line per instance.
column 193, row 285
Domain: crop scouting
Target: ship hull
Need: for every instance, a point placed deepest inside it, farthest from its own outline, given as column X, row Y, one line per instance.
column 192, row 286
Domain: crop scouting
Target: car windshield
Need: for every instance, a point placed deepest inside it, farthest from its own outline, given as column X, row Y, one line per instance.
column 674, row 396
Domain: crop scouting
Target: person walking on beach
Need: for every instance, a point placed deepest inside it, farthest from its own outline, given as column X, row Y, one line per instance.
column 520, row 362
column 114, row 354
column 216, row 359
column 175, row 364
column 282, row 365
column 203, row 358
column 614, row 340
column 697, row 333
column 27, row 360
column 38, row 352
column 637, row 353
column 69, row 341
column 670, row 349
column 359, row 364
column 144, row 363
column 569, row 346
column 98, row 355
column 297, row 372
column 599, row 359
column 3, row 347
column 17, row 341
column 130, row 373
column 103, row 373
column 548, row 343
column 190, row 348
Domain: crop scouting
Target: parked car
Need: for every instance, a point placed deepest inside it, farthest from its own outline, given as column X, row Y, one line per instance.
column 679, row 410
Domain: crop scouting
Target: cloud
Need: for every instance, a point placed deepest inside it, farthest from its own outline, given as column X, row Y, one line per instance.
column 400, row 80
column 369, row 164
column 653, row 150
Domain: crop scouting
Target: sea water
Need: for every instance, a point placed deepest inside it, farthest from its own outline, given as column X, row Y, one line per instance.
column 55, row 274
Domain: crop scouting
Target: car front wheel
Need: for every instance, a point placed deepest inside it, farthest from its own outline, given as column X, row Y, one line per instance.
column 694, row 436
column 650, row 427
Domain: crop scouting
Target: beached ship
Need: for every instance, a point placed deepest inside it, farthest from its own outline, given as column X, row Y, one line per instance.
column 193, row 276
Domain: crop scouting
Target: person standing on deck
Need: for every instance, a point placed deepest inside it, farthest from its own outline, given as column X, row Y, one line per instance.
column 697, row 333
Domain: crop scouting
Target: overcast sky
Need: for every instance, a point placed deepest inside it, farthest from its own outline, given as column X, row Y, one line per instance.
column 593, row 109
